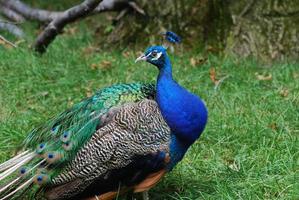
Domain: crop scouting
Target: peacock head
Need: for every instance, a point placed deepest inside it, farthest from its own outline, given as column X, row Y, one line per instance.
column 155, row 55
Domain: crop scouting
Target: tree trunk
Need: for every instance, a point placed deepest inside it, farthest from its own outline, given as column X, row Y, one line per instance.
column 265, row 29
column 203, row 23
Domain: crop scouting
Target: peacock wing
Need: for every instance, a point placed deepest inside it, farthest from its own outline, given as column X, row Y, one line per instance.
column 81, row 120
column 131, row 146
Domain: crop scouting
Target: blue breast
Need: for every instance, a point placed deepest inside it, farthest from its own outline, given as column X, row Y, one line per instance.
column 177, row 151
column 184, row 112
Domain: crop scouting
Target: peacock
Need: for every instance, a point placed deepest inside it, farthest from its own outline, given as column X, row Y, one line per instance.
column 124, row 138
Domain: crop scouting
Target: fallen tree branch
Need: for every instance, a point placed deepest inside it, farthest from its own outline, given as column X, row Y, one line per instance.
column 56, row 26
column 111, row 5
column 135, row 7
column 57, row 20
column 117, row 5
column 9, row 22
column 7, row 42
column 121, row 15
column 11, row 28
column 29, row 12
column 11, row 14
column 47, row 16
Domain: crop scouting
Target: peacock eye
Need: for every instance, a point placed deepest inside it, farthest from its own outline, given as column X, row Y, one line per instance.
column 154, row 53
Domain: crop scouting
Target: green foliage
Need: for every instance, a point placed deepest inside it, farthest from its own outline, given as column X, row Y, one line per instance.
column 248, row 151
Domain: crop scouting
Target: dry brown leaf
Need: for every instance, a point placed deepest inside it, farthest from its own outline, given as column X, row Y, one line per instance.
column 5, row 44
column 273, row 126
column 71, row 30
column 213, row 75
column 88, row 93
column 126, row 54
column 90, row 49
column 263, row 77
column 70, row 102
column 284, row 92
column 94, row 66
column 138, row 53
column 104, row 65
column 195, row 61
column 213, row 49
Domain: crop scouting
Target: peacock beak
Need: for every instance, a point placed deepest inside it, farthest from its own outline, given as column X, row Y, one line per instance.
column 141, row 58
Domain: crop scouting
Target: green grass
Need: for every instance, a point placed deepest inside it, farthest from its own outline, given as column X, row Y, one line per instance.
column 249, row 149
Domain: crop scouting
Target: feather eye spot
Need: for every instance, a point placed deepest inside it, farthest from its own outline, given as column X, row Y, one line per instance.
column 40, row 148
column 67, row 146
column 41, row 179
column 65, row 137
column 51, row 156
column 23, row 171
column 65, row 134
column 54, row 129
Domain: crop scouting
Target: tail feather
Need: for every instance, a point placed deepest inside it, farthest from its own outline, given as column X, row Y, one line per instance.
column 12, row 161
column 17, row 183
column 6, row 187
column 24, row 185
column 23, row 160
column 36, row 167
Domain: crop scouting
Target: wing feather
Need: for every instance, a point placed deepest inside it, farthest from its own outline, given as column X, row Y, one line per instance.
column 138, row 129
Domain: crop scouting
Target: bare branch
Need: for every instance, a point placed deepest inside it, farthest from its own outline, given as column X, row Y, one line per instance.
column 117, row 5
column 56, row 26
column 111, row 5
column 121, row 15
column 136, row 7
column 11, row 14
column 47, row 16
column 9, row 22
column 7, row 42
column 31, row 13
column 57, row 20
column 11, row 27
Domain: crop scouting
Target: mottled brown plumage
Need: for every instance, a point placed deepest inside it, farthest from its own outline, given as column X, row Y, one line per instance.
column 135, row 129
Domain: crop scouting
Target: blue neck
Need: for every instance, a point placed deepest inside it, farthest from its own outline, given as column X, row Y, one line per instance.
column 165, row 71
column 185, row 113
